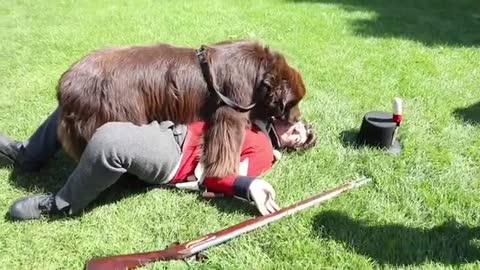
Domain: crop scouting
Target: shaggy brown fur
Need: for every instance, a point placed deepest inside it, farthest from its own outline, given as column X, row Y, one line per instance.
column 140, row 84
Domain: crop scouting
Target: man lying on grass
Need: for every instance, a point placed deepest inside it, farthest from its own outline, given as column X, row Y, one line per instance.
column 158, row 153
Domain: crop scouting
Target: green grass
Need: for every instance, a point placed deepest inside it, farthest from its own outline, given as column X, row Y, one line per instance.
column 421, row 212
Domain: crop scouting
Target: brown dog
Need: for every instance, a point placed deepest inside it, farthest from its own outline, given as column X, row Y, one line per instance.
column 144, row 83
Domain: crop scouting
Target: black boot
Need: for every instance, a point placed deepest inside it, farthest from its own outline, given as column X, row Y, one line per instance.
column 9, row 150
column 12, row 152
column 34, row 207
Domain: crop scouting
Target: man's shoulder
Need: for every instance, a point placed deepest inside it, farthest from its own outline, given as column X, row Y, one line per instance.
column 255, row 136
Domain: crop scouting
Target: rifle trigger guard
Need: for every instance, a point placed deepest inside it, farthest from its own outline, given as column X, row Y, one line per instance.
column 200, row 257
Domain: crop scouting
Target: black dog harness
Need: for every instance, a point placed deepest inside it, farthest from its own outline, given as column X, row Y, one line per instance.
column 268, row 128
column 202, row 59
column 265, row 126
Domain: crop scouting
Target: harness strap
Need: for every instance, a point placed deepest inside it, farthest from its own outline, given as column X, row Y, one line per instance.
column 211, row 87
column 267, row 128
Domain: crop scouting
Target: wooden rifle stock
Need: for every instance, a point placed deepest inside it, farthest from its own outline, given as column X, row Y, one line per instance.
column 194, row 247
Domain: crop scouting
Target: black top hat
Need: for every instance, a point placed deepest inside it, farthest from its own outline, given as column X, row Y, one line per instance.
column 378, row 129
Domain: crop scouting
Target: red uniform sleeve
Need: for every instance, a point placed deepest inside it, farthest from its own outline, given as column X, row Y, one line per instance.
column 257, row 153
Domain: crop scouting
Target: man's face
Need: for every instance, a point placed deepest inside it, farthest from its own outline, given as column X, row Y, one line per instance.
column 291, row 135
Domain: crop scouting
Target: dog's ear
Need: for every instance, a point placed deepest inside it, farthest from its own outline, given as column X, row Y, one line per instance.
column 269, row 89
column 296, row 92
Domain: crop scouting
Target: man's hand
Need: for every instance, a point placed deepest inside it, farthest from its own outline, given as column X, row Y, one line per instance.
column 263, row 194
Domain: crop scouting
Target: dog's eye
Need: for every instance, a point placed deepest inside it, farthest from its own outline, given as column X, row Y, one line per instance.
column 289, row 105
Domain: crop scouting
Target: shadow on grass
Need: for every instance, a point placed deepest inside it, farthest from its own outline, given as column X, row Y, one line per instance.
column 348, row 138
column 52, row 178
column 55, row 174
column 49, row 179
column 431, row 22
column 396, row 244
column 469, row 114
column 231, row 205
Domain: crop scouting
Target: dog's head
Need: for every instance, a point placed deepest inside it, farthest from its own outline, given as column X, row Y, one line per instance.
column 282, row 88
column 277, row 88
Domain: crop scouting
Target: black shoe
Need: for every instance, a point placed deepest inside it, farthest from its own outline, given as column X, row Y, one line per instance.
column 11, row 152
column 34, row 207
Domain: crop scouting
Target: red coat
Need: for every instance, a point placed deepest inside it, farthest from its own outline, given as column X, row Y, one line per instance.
column 256, row 158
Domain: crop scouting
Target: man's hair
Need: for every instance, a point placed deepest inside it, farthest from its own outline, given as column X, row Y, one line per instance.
column 309, row 142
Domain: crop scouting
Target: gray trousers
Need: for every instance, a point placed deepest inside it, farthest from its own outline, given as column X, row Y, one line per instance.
column 151, row 152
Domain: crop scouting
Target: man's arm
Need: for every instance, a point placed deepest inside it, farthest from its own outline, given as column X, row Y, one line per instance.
column 257, row 156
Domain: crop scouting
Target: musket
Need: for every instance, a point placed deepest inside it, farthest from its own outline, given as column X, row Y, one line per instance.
column 193, row 248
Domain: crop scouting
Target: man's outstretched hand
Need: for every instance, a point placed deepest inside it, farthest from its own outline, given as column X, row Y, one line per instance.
column 263, row 195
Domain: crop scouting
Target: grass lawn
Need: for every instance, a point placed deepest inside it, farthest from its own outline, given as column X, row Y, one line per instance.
column 422, row 212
